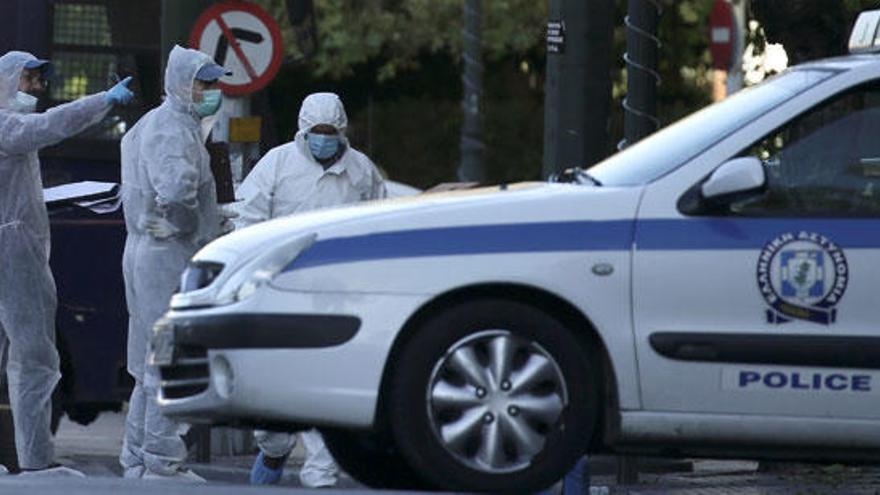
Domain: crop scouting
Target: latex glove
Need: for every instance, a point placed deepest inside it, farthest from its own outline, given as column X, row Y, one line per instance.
column 226, row 224
column 227, row 213
column 264, row 475
column 119, row 94
column 159, row 228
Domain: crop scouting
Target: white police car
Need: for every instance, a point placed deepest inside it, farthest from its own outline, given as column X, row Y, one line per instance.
column 712, row 290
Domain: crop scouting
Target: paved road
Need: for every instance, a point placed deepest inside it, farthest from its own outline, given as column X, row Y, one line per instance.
column 117, row 486
column 93, row 450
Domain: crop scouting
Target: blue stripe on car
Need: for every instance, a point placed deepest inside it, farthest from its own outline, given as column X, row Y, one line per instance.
column 478, row 239
column 613, row 235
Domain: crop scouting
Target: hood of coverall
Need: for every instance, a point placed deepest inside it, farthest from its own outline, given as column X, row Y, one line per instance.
column 11, row 66
column 322, row 108
column 183, row 64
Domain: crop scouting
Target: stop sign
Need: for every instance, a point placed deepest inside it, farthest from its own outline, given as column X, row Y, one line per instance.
column 721, row 32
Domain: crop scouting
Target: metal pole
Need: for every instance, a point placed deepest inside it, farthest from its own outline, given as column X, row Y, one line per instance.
column 578, row 86
column 735, row 76
column 642, row 46
column 471, row 168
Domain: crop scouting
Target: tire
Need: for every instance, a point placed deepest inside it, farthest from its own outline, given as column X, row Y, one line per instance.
column 555, row 411
column 84, row 414
column 371, row 461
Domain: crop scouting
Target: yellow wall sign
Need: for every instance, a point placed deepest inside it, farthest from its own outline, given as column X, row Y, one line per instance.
column 245, row 129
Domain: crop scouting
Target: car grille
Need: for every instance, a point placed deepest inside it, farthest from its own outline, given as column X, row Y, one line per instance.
column 189, row 374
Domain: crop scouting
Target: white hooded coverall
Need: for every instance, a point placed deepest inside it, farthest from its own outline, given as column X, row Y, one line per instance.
column 289, row 180
column 166, row 173
column 27, row 289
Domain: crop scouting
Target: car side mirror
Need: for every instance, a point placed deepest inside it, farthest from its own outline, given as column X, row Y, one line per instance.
column 739, row 175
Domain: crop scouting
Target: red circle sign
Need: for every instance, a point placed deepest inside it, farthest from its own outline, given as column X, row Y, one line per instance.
column 243, row 38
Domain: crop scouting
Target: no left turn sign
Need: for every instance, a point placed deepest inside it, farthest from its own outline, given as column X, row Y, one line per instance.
column 244, row 39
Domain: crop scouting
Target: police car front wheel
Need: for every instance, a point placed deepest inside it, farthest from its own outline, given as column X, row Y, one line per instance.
column 493, row 395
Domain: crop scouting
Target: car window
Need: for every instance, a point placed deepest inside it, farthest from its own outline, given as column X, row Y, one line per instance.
column 826, row 162
column 666, row 150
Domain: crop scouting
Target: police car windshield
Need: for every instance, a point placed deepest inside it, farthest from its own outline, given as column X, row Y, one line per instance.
column 666, row 150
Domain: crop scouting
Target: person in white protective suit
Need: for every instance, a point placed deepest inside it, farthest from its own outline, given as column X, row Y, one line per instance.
column 317, row 169
column 27, row 289
column 171, row 211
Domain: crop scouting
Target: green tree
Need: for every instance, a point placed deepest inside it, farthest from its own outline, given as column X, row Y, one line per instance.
column 809, row 29
column 397, row 65
column 398, row 33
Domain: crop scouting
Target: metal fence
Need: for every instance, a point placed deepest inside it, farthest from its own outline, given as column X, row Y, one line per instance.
column 97, row 42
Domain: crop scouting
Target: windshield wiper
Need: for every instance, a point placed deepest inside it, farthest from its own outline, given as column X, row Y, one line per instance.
column 575, row 175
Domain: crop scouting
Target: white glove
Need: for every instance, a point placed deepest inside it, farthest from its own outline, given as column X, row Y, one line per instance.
column 226, row 216
column 159, row 228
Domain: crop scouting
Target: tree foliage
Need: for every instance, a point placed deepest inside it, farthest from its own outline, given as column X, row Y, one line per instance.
column 397, row 65
column 398, row 33
column 809, row 29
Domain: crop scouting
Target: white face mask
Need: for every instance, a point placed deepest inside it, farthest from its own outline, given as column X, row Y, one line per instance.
column 24, row 103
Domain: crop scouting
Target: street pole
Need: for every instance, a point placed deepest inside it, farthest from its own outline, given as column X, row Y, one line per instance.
column 471, row 168
column 565, row 89
column 640, row 119
column 735, row 76
column 642, row 46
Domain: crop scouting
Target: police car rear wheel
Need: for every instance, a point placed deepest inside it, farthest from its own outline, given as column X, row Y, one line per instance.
column 493, row 395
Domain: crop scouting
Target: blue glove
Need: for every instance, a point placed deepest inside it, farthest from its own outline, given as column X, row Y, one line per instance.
column 119, row 94
column 262, row 475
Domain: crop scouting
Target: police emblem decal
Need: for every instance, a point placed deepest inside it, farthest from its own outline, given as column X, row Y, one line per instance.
column 802, row 276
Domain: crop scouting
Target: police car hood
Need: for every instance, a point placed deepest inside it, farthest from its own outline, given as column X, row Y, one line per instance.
column 533, row 202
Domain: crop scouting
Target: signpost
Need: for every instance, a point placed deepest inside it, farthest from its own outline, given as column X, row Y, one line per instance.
column 721, row 30
column 243, row 38
column 722, row 36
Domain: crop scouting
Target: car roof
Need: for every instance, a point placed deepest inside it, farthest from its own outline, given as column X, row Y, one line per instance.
column 843, row 62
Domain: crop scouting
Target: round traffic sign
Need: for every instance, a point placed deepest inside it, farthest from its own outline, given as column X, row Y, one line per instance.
column 244, row 39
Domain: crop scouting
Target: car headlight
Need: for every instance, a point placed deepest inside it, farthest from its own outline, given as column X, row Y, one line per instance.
column 259, row 271
column 198, row 275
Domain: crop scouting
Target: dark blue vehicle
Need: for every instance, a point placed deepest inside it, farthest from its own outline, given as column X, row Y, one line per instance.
column 92, row 318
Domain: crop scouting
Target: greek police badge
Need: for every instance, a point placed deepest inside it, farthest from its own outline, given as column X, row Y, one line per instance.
column 802, row 276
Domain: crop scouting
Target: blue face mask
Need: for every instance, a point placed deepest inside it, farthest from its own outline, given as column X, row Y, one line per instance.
column 210, row 104
column 323, row 146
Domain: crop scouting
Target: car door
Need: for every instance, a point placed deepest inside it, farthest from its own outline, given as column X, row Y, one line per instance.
column 769, row 302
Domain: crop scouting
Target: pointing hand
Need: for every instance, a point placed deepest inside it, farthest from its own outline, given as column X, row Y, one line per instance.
column 119, row 94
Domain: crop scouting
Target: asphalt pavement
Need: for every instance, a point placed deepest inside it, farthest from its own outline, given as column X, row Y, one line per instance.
column 94, row 450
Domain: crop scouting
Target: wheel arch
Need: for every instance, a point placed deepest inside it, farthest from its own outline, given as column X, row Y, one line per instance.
column 546, row 301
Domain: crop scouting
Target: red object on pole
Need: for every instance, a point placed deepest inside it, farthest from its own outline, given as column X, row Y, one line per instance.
column 721, row 33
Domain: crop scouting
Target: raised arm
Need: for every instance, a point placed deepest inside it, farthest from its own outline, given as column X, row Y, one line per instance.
column 26, row 133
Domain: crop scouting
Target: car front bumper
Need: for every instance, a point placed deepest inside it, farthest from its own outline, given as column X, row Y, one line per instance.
column 315, row 363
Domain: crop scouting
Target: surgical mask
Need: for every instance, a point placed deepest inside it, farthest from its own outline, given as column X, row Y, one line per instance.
column 323, row 146
column 210, row 104
column 24, row 103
